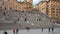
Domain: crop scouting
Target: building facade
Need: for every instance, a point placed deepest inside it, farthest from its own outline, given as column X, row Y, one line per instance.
column 50, row 8
column 30, row 1
column 54, row 9
column 43, row 7
column 15, row 5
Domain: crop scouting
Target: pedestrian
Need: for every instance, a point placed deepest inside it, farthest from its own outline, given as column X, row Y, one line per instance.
column 5, row 32
column 27, row 28
column 42, row 29
column 13, row 31
column 17, row 30
column 52, row 29
column 49, row 29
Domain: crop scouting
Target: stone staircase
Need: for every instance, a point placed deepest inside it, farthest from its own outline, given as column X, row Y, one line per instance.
column 14, row 20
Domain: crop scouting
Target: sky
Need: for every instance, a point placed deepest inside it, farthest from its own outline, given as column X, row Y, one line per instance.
column 36, row 2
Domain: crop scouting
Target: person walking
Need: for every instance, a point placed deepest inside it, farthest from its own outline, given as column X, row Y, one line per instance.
column 49, row 29
column 42, row 29
column 28, row 28
column 13, row 31
column 52, row 29
column 17, row 30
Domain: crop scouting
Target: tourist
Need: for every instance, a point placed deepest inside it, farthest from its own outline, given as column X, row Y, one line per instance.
column 42, row 29
column 17, row 30
column 52, row 29
column 13, row 31
column 49, row 29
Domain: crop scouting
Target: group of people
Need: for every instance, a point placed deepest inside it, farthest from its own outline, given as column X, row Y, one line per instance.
column 15, row 31
column 49, row 29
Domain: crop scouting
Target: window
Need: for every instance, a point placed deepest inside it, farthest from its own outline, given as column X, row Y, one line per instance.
column 52, row 14
column 53, row 8
column 53, row 11
column 59, row 9
column 4, row 13
column 15, row 10
column 29, row 7
column 22, row 11
column 52, row 5
column 56, row 9
column 5, row 8
column 56, row 14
